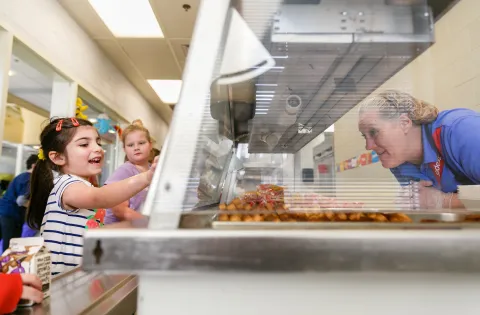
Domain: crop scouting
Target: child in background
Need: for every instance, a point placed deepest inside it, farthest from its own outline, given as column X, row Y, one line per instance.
column 137, row 145
column 12, row 213
column 62, row 207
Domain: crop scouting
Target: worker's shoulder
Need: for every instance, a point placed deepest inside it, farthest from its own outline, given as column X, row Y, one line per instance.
column 454, row 117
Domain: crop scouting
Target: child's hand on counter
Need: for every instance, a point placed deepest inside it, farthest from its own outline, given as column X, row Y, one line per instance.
column 152, row 169
column 32, row 288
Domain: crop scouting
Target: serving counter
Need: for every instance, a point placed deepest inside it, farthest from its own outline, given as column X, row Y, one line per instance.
column 80, row 292
column 239, row 225
column 344, row 271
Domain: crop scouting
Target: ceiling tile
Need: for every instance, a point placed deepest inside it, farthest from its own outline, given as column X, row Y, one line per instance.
column 174, row 20
column 182, row 65
column 152, row 57
column 125, row 64
column 23, row 70
column 22, row 82
column 180, row 48
column 41, row 100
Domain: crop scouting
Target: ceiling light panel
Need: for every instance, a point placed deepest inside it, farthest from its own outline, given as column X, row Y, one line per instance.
column 167, row 90
column 128, row 18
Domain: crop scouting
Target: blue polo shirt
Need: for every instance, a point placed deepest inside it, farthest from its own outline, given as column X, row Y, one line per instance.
column 460, row 139
column 8, row 203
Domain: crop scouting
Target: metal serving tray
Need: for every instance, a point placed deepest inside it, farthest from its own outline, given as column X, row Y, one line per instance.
column 420, row 221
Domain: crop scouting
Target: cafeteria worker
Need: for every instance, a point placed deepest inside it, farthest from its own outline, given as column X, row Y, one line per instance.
column 440, row 150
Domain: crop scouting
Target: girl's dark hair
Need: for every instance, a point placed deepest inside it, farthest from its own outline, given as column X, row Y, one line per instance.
column 41, row 183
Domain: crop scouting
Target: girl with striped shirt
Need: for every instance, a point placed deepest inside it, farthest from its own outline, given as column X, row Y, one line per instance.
column 63, row 202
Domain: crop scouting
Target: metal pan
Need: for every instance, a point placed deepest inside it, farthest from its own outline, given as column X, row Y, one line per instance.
column 420, row 221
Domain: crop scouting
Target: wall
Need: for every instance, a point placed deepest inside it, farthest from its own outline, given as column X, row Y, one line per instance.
column 14, row 124
column 48, row 30
column 304, row 159
column 22, row 125
column 33, row 127
column 447, row 75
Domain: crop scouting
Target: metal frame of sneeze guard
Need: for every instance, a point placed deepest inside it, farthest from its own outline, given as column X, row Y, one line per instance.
column 232, row 63
column 169, row 183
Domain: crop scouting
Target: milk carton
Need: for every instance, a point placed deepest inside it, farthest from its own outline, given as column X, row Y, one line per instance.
column 28, row 255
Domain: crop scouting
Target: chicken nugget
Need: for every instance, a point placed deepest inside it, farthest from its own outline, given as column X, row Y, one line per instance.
column 235, row 218
column 223, row 217
column 257, row 218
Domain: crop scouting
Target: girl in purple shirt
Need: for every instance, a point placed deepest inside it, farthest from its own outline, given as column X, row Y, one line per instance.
column 137, row 144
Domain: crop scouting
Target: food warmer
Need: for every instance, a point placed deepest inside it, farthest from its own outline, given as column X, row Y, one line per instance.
column 237, row 225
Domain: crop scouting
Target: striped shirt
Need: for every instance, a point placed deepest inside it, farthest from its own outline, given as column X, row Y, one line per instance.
column 63, row 229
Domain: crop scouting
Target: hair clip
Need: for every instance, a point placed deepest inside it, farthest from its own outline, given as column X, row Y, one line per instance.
column 75, row 122
column 59, row 125
column 41, row 155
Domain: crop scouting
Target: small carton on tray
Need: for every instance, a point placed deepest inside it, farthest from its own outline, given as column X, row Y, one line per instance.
column 28, row 255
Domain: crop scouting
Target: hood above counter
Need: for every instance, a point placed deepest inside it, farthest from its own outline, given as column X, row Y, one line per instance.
column 329, row 55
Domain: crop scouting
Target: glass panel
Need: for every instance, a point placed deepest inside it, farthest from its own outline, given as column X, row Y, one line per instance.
column 289, row 71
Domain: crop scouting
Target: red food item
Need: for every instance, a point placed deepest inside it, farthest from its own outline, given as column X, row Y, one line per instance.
column 270, row 194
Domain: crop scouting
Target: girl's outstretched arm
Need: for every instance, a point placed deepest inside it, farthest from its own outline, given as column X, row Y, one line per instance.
column 81, row 196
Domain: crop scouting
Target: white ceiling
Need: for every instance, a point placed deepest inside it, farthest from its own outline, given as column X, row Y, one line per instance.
column 35, row 86
column 30, row 84
column 142, row 59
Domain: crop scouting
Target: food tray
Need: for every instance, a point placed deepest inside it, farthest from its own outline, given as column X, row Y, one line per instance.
column 420, row 221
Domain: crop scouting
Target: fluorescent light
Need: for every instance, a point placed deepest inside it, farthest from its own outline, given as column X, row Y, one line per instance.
column 11, row 73
column 92, row 120
column 128, row 18
column 167, row 90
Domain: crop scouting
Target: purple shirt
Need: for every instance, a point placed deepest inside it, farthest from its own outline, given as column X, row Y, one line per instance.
column 125, row 171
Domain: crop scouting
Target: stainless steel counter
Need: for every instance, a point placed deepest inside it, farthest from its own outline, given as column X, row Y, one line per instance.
column 136, row 249
column 79, row 292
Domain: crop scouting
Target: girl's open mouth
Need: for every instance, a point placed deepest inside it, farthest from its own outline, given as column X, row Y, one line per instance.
column 95, row 160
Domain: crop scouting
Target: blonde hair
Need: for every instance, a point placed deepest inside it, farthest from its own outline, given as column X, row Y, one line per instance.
column 392, row 104
column 136, row 125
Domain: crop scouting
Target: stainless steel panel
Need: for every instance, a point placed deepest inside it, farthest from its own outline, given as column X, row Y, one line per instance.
column 335, row 17
column 95, row 293
column 153, row 251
